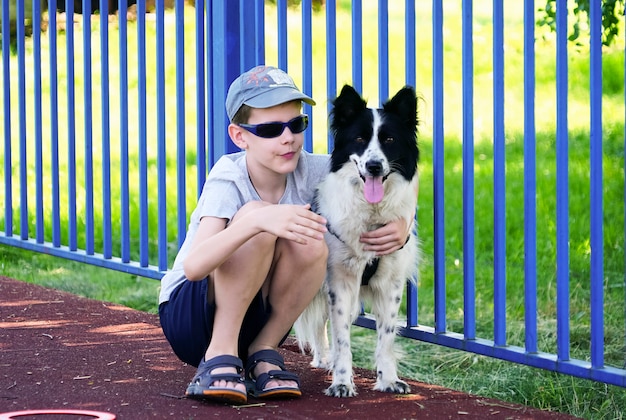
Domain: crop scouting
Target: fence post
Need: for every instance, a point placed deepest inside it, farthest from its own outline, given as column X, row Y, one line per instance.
column 226, row 66
column 238, row 45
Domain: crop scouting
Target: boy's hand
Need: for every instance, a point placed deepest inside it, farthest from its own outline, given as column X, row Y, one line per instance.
column 388, row 238
column 293, row 222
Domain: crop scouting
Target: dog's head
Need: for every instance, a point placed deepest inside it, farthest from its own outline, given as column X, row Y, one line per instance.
column 380, row 142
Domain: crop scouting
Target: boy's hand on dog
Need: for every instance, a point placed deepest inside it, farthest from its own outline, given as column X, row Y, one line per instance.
column 386, row 239
column 293, row 222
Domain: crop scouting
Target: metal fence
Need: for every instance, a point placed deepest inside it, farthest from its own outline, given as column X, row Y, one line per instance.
column 110, row 126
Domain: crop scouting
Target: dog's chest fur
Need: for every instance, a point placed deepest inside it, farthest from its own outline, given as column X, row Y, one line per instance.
column 340, row 200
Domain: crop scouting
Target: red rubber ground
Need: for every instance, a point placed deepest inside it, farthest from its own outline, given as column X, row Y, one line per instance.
column 60, row 351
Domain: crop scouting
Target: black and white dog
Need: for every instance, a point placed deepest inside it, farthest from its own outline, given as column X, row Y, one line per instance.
column 373, row 180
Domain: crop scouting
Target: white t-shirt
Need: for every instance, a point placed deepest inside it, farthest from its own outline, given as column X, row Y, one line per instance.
column 228, row 188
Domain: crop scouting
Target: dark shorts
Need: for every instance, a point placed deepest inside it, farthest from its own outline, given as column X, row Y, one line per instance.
column 187, row 321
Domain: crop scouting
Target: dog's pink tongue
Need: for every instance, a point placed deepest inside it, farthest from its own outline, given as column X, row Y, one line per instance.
column 374, row 189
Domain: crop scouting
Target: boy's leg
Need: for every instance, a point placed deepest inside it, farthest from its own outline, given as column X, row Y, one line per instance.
column 233, row 286
column 297, row 274
column 187, row 320
column 289, row 274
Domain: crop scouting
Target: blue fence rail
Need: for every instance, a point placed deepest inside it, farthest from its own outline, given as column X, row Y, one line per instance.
column 114, row 187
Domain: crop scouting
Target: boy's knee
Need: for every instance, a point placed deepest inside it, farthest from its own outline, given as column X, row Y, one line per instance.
column 321, row 249
column 313, row 252
column 263, row 241
column 246, row 208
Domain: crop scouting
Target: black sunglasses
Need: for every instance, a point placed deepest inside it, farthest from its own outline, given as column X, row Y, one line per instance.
column 275, row 129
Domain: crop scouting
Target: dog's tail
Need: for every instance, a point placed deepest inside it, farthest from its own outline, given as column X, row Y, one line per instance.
column 310, row 330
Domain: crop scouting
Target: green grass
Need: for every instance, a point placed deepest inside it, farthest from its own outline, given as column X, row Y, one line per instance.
column 493, row 378
column 425, row 362
column 78, row 278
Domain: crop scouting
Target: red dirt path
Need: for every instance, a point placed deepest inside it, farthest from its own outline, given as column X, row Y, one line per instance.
column 61, row 351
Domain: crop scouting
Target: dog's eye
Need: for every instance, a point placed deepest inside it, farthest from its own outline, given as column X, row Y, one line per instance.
column 389, row 140
column 360, row 140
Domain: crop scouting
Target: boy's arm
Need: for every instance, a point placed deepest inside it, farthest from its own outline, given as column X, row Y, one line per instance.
column 214, row 243
column 210, row 247
column 389, row 238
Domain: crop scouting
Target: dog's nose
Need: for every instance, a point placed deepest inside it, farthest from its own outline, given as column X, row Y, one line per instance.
column 374, row 167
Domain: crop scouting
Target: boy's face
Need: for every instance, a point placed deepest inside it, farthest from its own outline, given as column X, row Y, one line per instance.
column 278, row 154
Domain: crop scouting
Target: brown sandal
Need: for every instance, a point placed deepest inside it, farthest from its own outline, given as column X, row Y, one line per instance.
column 256, row 386
column 200, row 386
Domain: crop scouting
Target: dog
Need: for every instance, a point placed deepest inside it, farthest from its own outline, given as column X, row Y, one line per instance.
column 373, row 180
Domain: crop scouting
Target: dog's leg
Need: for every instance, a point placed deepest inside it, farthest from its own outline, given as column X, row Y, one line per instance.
column 343, row 298
column 319, row 334
column 386, row 304
column 310, row 329
column 320, row 349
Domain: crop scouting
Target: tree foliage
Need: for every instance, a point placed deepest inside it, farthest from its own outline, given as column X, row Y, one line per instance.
column 612, row 10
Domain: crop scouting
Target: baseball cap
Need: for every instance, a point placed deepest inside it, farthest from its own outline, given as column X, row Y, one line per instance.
column 262, row 87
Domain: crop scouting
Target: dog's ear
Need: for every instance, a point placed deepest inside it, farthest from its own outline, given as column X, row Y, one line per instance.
column 404, row 105
column 348, row 104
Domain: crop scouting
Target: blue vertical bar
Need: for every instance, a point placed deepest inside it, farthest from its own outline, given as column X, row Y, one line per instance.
column 438, row 170
column 71, row 124
column 307, row 67
column 246, row 31
column 201, row 83
column 562, row 193
column 181, row 164
column 225, row 67
column 410, row 79
column 144, row 250
column 54, row 126
column 281, row 9
column 410, row 70
column 250, row 39
column 208, row 91
column 331, row 57
column 124, row 164
column 469, row 275
column 247, row 35
column 21, row 91
column 87, row 117
column 530, row 180
column 6, row 102
column 357, row 45
column 107, row 241
column 259, row 24
column 383, row 51
column 499, row 175
column 597, row 229
column 161, row 149
column 39, row 233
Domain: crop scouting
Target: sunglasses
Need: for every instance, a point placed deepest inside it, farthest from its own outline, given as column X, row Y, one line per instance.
column 275, row 129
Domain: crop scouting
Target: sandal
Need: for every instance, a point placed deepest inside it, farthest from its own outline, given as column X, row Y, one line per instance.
column 200, row 386
column 256, row 386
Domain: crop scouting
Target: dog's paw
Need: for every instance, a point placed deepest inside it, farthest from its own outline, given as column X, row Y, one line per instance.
column 396, row 387
column 320, row 364
column 341, row 391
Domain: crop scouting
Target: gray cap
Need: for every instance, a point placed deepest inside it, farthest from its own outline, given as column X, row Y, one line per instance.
column 262, row 87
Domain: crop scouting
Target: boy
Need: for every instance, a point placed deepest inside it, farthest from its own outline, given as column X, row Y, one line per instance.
column 254, row 255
